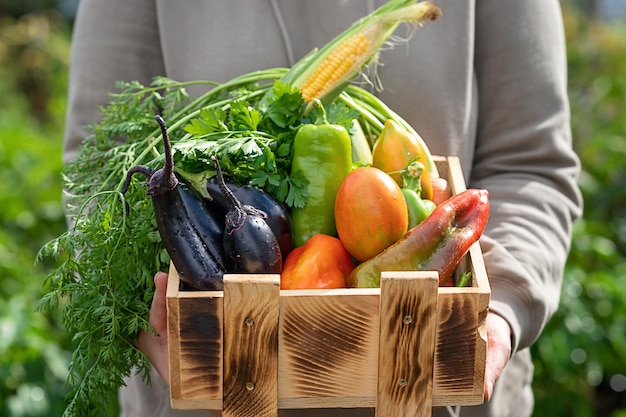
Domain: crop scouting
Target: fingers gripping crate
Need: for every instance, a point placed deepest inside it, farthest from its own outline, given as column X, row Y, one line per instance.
column 252, row 348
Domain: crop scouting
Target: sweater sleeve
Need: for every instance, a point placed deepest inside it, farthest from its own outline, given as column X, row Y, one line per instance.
column 113, row 40
column 524, row 158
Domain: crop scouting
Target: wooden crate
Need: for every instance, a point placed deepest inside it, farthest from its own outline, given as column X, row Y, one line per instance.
column 253, row 348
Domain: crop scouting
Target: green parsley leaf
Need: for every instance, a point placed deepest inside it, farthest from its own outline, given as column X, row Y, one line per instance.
column 242, row 117
column 209, row 121
column 286, row 105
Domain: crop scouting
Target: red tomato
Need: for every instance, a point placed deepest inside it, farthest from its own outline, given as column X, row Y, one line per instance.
column 370, row 212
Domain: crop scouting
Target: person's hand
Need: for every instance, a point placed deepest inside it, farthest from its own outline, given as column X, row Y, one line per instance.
column 498, row 350
column 154, row 346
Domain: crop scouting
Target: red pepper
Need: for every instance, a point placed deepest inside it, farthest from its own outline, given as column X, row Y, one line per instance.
column 437, row 244
column 322, row 262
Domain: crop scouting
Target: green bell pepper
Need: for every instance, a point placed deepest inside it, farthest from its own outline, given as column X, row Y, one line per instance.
column 323, row 155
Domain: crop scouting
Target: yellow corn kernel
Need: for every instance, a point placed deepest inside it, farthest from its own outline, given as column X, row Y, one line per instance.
column 345, row 60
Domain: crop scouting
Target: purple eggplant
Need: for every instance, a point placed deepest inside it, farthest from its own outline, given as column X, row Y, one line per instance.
column 190, row 232
column 277, row 219
column 250, row 246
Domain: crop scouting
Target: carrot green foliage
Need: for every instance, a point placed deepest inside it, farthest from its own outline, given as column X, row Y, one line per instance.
column 108, row 259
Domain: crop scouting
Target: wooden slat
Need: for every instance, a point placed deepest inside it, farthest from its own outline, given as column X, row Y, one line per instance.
column 251, row 306
column 461, row 337
column 454, row 175
column 173, row 331
column 195, row 346
column 408, row 323
column 328, row 340
column 458, row 350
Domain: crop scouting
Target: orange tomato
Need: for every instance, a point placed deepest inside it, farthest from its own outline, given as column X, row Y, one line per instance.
column 370, row 212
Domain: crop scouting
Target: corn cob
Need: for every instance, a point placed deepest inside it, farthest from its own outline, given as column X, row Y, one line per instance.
column 351, row 53
column 325, row 73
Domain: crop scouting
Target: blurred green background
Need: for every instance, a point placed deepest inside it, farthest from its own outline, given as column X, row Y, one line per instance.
column 580, row 361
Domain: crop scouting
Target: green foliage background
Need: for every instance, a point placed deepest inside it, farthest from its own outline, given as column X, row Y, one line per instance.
column 34, row 350
column 580, row 361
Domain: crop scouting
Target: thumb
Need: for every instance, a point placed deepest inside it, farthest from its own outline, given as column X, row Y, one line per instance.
column 498, row 350
column 158, row 311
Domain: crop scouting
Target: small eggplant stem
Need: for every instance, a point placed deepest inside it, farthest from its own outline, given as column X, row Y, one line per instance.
column 168, row 166
column 163, row 180
column 160, row 180
column 237, row 213
column 137, row 169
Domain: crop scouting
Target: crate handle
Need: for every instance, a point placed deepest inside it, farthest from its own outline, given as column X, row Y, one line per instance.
column 251, row 311
column 408, row 322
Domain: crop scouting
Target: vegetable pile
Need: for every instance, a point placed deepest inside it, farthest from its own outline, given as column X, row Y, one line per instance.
column 277, row 171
